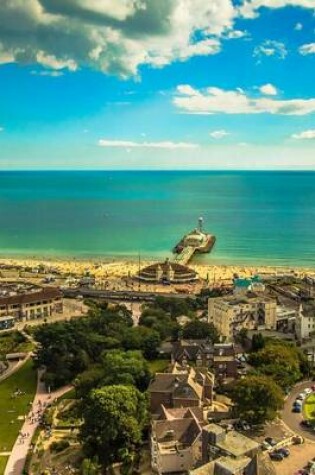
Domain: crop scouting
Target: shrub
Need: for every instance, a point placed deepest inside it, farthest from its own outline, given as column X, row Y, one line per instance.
column 59, row 446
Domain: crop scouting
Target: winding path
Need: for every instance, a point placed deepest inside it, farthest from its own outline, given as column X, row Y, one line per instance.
column 21, row 447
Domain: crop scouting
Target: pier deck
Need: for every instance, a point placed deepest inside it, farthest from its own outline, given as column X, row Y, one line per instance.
column 185, row 256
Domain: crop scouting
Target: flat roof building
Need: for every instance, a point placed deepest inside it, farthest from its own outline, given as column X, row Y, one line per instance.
column 230, row 314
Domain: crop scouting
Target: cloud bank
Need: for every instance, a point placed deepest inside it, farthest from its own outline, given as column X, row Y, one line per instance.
column 119, row 36
column 305, row 135
column 111, row 36
column 130, row 144
column 214, row 100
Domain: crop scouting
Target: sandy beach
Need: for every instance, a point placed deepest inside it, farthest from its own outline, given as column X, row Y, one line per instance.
column 122, row 269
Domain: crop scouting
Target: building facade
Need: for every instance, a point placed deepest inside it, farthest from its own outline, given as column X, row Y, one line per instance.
column 230, row 314
column 182, row 387
column 305, row 323
column 29, row 305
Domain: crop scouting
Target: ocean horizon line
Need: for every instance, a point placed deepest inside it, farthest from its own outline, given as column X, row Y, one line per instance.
column 159, row 170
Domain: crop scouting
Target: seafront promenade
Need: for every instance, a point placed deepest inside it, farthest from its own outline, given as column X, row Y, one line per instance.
column 114, row 273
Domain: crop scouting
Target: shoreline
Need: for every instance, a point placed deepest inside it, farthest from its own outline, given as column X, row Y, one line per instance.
column 202, row 260
column 117, row 267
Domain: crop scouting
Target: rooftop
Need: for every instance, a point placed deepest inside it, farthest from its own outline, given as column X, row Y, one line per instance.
column 237, row 444
column 175, row 434
column 45, row 293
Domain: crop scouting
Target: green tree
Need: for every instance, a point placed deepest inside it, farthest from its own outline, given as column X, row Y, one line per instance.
column 89, row 379
column 257, row 399
column 150, row 345
column 258, row 342
column 114, row 418
column 196, row 329
column 281, row 362
column 242, row 336
column 125, row 368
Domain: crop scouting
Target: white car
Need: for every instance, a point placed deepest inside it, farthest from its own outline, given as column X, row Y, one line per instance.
column 301, row 397
column 307, row 391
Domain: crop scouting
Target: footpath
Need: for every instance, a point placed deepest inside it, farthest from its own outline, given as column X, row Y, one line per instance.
column 22, row 445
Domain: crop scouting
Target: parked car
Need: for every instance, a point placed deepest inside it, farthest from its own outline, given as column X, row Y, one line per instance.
column 266, row 446
column 297, row 409
column 306, row 423
column 271, row 441
column 297, row 404
column 276, row 456
column 301, row 397
column 284, row 451
column 307, row 390
column 297, row 439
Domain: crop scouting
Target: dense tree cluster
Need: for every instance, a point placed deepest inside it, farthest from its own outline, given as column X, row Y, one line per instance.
column 69, row 348
column 257, row 399
column 105, row 356
column 161, row 317
column 116, row 367
column 281, row 361
column 114, row 418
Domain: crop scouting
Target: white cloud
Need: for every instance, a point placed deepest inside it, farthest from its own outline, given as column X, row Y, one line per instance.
column 249, row 8
column 115, row 37
column 50, row 61
column 305, row 135
column 298, row 27
column 45, row 72
column 272, row 48
column 1, row 129
column 219, row 134
column 307, row 49
column 268, row 90
column 214, row 100
column 118, row 36
column 130, row 144
column 236, row 34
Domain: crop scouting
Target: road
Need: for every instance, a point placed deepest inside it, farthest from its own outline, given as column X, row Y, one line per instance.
column 21, row 447
column 128, row 295
column 293, row 420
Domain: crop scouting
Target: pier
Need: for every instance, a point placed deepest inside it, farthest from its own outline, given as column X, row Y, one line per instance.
column 185, row 256
column 197, row 241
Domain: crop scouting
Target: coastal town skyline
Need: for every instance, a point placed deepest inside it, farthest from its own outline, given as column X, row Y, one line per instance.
column 134, row 84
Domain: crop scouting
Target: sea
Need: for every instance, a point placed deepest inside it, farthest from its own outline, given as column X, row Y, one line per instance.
column 257, row 217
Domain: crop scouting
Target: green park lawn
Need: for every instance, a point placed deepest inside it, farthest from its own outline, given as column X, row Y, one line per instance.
column 3, row 463
column 309, row 408
column 24, row 379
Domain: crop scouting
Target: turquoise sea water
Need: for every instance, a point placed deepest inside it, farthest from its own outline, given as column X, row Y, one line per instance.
column 258, row 217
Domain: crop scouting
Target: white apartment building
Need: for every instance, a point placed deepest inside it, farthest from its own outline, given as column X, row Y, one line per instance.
column 230, row 314
column 305, row 323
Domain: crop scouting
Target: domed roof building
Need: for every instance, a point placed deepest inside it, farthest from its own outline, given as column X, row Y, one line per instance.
column 167, row 271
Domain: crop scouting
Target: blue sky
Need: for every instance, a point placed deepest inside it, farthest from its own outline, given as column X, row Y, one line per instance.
column 119, row 84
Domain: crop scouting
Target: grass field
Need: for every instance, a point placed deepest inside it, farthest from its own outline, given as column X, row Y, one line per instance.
column 309, row 408
column 3, row 462
column 24, row 379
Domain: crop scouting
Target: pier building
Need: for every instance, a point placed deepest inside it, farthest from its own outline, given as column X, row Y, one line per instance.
column 197, row 241
column 167, row 272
